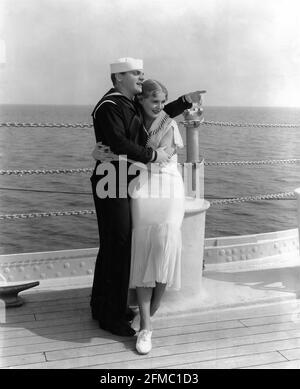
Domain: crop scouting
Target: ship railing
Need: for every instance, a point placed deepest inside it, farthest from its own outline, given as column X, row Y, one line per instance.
column 289, row 195
column 225, row 257
column 198, row 122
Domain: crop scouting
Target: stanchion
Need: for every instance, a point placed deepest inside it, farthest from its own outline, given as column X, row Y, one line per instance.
column 297, row 191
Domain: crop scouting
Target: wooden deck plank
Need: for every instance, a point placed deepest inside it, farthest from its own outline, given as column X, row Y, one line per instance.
column 46, row 331
column 213, row 316
column 235, row 331
column 29, row 321
column 49, row 299
column 63, row 336
column 280, row 340
column 159, row 357
column 193, row 360
column 59, row 345
column 85, row 337
column 47, row 309
column 92, row 346
column 226, row 324
column 242, row 312
column 84, row 314
column 21, row 359
column 91, row 324
column 18, row 319
column 191, row 320
column 194, row 329
column 67, row 337
column 292, row 354
column 63, row 346
column 50, row 294
column 278, row 365
column 69, row 313
column 214, row 350
column 162, row 322
column 227, row 333
column 232, row 363
column 69, row 334
column 164, row 356
column 60, row 301
column 294, row 317
column 31, row 325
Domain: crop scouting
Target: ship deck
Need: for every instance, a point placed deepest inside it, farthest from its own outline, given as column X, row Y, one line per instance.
column 259, row 327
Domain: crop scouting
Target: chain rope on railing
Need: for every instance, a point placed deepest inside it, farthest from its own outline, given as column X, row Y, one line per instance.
column 47, row 214
column 268, row 196
column 253, row 163
column 206, row 163
column 255, row 125
column 45, row 171
column 48, row 125
column 272, row 196
column 200, row 122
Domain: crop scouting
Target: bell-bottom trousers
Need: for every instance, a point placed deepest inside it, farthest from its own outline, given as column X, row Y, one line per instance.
column 112, row 268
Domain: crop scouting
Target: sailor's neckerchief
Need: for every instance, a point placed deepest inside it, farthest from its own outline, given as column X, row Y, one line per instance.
column 105, row 100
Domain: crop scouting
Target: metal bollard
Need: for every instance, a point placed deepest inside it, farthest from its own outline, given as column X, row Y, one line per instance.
column 9, row 293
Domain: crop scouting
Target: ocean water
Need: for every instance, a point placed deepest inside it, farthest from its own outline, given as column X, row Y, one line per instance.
column 55, row 148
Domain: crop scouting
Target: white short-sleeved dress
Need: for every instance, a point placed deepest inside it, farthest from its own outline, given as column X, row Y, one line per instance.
column 157, row 208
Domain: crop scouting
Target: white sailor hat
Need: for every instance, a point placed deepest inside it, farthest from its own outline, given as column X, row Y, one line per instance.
column 125, row 65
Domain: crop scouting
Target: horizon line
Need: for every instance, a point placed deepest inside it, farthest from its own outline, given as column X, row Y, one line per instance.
column 208, row 106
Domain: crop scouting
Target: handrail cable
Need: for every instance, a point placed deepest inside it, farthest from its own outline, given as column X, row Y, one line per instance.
column 270, row 196
column 199, row 122
column 263, row 197
column 206, row 163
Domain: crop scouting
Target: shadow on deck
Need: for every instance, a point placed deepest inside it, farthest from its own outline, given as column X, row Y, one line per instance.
column 245, row 319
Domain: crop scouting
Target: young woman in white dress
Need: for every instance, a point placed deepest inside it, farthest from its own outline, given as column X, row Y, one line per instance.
column 157, row 208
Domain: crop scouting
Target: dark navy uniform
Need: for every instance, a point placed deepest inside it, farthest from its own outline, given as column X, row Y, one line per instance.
column 118, row 123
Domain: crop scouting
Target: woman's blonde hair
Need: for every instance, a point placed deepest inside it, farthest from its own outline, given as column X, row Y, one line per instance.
column 152, row 88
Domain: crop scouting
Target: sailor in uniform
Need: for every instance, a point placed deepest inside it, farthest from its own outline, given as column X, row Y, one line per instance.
column 118, row 124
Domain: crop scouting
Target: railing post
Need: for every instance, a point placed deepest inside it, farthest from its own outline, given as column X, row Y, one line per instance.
column 297, row 191
column 192, row 119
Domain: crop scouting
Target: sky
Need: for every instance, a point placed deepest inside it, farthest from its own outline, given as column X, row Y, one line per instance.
column 243, row 52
